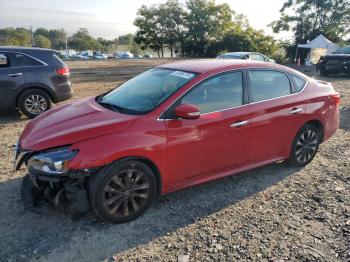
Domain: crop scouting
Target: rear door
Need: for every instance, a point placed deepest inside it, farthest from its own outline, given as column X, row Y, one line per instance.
column 11, row 79
column 277, row 113
column 214, row 141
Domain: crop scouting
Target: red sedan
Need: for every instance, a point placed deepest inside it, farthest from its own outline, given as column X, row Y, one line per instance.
column 174, row 126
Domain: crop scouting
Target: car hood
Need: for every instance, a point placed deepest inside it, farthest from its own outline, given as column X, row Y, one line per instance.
column 71, row 123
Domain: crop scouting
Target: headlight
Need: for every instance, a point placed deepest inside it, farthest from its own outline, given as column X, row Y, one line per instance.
column 54, row 162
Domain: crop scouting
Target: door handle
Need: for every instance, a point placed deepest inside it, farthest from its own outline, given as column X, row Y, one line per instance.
column 15, row 75
column 239, row 124
column 295, row 111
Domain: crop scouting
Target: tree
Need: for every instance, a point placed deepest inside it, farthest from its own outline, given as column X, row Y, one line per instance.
column 42, row 41
column 126, row 39
column 171, row 16
column 58, row 38
column 149, row 34
column 309, row 18
column 82, row 40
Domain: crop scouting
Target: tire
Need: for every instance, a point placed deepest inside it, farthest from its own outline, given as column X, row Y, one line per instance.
column 33, row 102
column 324, row 72
column 305, row 145
column 122, row 191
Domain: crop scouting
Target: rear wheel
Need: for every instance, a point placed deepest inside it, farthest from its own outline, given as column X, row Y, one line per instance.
column 305, row 145
column 122, row 191
column 324, row 72
column 34, row 102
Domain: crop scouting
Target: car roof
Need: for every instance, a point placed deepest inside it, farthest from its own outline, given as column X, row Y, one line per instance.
column 25, row 49
column 238, row 53
column 207, row 65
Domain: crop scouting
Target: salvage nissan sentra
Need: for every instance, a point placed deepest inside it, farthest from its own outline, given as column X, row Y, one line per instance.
column 172, row 127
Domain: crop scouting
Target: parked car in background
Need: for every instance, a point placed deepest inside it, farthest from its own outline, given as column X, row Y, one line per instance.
column 147, row 56
column 82, row 57
column 338, row 62
column 99, row 55
column 247, row 56
column 137, row 56
column 68, row 53
column 31, row 79
column 174, row 126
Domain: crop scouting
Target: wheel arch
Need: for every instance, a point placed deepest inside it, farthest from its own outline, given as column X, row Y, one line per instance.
column 318, row 124
column 38, row 87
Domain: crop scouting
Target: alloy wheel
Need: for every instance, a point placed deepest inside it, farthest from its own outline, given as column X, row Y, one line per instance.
column 306, row 146
column 126, row 192
column 35, row 104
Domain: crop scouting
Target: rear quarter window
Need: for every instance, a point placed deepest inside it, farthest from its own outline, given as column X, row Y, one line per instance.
column 299, row 82
column 19, row 60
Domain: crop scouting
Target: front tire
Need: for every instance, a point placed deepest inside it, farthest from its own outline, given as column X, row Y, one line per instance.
column 122, row 191
column 33, row 102
column 305, row 145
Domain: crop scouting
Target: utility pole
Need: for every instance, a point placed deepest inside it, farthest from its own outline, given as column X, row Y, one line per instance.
column 32, row 34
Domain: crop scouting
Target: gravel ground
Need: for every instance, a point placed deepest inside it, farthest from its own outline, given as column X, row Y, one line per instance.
column 274, row 213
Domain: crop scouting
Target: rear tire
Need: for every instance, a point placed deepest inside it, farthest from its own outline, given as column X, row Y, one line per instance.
column 305, row 145
column 122, row 191
column 33, row 102
column 324, row 72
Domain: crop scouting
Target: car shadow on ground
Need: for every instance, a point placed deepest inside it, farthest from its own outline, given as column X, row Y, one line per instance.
column 49, row 234
column 13, row 116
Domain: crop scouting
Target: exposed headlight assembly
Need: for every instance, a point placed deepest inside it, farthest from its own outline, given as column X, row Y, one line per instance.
column 53, row 162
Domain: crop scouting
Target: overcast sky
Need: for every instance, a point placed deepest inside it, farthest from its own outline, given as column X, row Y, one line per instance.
column 110, row 18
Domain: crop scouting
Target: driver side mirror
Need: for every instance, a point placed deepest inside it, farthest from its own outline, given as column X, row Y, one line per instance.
column 187, row 111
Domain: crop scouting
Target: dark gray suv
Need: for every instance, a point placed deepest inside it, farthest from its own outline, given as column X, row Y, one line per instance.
column 31, row 79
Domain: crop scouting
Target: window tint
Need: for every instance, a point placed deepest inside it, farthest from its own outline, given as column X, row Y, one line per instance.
column 23, row 60
column 218, row 93
column 268, row 84
column 4, row 62
column 299, row 82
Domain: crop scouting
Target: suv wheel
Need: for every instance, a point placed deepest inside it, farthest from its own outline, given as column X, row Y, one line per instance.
column 305, row 145
column 324, row 72
column 123, row 191
column 34, row 102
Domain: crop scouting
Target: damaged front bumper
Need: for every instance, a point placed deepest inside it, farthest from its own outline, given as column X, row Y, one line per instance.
column 68, row 190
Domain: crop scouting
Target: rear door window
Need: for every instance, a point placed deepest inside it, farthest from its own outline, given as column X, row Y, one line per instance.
column 267, row 84
column 19, row 60
column 4, row 61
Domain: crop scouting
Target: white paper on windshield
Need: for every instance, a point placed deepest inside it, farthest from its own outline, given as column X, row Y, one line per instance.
column 182, row 74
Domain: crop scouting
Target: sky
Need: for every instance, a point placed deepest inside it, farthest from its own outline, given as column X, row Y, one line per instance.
column 111, row 18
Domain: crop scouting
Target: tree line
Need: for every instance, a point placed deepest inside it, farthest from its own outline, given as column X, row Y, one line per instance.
column 198, row 28
column 202, row 28
column 58, row 39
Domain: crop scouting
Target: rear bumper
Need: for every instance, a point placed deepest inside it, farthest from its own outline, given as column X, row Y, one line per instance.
column 336, row 68
column 63, row 92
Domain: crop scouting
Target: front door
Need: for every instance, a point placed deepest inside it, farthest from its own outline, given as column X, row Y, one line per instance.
column 219, row 138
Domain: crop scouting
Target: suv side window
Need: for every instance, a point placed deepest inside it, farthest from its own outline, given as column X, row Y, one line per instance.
column 256, row 57
column 267, row 84
column 19, row 60
column 218, row 93
column 298, row 81
column 4, row 62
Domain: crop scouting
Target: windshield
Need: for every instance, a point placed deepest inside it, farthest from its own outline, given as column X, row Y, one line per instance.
column 146, row 91
column 343, row 50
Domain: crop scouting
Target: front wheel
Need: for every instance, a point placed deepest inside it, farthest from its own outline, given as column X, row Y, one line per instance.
column 122, row 191
column 305, row 145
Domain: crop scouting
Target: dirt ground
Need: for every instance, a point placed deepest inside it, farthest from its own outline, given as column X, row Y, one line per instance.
column 273, row 213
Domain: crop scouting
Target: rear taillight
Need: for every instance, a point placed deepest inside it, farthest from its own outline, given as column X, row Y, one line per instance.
column 336, row 98
column 64, row 71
